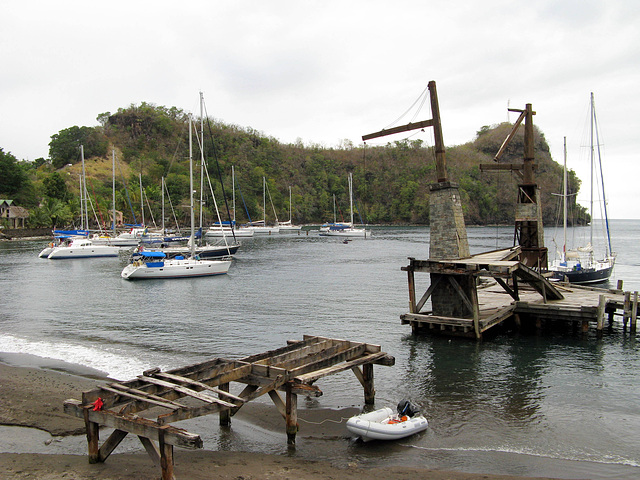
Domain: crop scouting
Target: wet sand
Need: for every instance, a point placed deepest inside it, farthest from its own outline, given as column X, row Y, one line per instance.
column 32, row 392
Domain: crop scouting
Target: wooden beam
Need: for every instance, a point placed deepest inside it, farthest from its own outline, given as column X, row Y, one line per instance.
column 315, row 375
column 133, row 424
column 428, row 293
column 195, row 383
column 461, row 293
column 141, row 396
column 283, row 359
column 507, row 140
column 151, row 450
column 329, row 361
column 187, row 391
column 277, row 401
column 403, row 128
column 111, row 443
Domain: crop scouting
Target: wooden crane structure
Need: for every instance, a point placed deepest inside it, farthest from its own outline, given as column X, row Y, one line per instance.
column 529, row 232
column 454, row 273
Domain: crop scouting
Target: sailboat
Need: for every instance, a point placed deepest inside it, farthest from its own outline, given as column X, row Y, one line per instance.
column 346, row 230
column 261, row 227
column 580, row 265
column 75, row 246
column 223, row 229
column 286, row 227
column 153, row 265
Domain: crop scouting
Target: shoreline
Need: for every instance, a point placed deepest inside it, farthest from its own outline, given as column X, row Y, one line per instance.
column 33, row 389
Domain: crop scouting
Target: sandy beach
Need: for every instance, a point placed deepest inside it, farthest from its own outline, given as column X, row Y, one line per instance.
column 33, row 396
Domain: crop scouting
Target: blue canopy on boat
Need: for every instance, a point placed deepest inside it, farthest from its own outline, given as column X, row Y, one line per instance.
column 71, row 232
column 150, row 254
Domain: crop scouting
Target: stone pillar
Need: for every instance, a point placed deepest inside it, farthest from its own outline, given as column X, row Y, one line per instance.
column 448, row 240
column 448, row 233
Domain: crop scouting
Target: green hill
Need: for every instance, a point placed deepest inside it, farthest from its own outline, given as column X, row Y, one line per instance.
column 390, row 182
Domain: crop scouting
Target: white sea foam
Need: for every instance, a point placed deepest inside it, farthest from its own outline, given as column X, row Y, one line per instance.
column 116, row 365
column 606, row 459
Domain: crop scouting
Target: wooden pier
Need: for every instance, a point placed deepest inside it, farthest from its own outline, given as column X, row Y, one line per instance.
column 147, row 405
column 503, row 289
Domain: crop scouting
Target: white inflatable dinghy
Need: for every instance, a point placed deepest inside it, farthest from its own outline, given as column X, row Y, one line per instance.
column 384, row 424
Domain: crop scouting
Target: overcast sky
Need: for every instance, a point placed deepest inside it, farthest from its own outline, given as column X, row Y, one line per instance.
column 327, row 71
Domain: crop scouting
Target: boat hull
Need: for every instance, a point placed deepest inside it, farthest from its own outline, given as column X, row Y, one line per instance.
column 238, row 232
column 375, row 426
column 265, row 230
column 204, row 253
column 584, row 276
column 174, row 268
column 93, row 251
column 347, row 232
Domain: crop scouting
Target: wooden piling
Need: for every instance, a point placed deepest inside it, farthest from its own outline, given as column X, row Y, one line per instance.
column 291, row 415
column 166, row 457
column 634, row 312
column 602, row 303
column 93, row 437
column 225, row 415
column 412, row 291
column 626, row 312
column 369, row 390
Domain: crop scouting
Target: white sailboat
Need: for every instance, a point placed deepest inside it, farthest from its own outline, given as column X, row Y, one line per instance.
column 580, row 265
column 343, row 229
column 288, row 226
column 153, row 265
column 261, row 227
column 225, row 229
column 79, row 246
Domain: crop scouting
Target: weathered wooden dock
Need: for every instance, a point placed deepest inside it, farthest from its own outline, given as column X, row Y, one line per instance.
column 503, row 289
column 147, row 405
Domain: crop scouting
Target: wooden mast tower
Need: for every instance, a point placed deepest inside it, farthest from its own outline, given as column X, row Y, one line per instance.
column 448, row 234
column 529, row 232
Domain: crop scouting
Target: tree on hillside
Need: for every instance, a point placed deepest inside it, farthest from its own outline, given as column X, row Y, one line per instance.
column 55, row 186
column 15, row 183
column 64, row 146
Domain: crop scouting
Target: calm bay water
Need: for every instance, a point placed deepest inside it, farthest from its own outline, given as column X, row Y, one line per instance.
column 558, row 405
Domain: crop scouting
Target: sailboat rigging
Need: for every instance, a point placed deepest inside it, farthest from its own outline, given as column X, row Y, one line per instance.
column 152, row 265
column 579, row 265
column 346, row 230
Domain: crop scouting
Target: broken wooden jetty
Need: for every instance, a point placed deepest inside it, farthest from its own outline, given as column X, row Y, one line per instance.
column 504, row 289
column 147, row 405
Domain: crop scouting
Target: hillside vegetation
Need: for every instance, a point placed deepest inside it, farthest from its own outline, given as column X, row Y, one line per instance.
column 391, row 182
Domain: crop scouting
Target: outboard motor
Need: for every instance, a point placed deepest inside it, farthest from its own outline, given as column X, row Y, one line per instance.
column 405, row 407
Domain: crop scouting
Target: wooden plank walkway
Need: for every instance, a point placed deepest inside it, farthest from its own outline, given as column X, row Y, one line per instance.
column 148, row 404
column 514, row 291
column 579, row 304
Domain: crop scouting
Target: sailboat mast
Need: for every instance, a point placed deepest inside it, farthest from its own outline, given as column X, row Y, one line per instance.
column 564, row 203
column 84, row 192
column 591, row 161
column 193, row 234
column 141, row 198
column 113, row 182
column 162, row 183
column 264, row 199
column 233, row 193
column 351, row 195
column 334, row 208
column 290, row 207
column 609, row 251
column 81, row 205
column 201, row 155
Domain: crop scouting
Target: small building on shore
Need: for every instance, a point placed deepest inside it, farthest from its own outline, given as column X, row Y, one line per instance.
column 14, row 215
